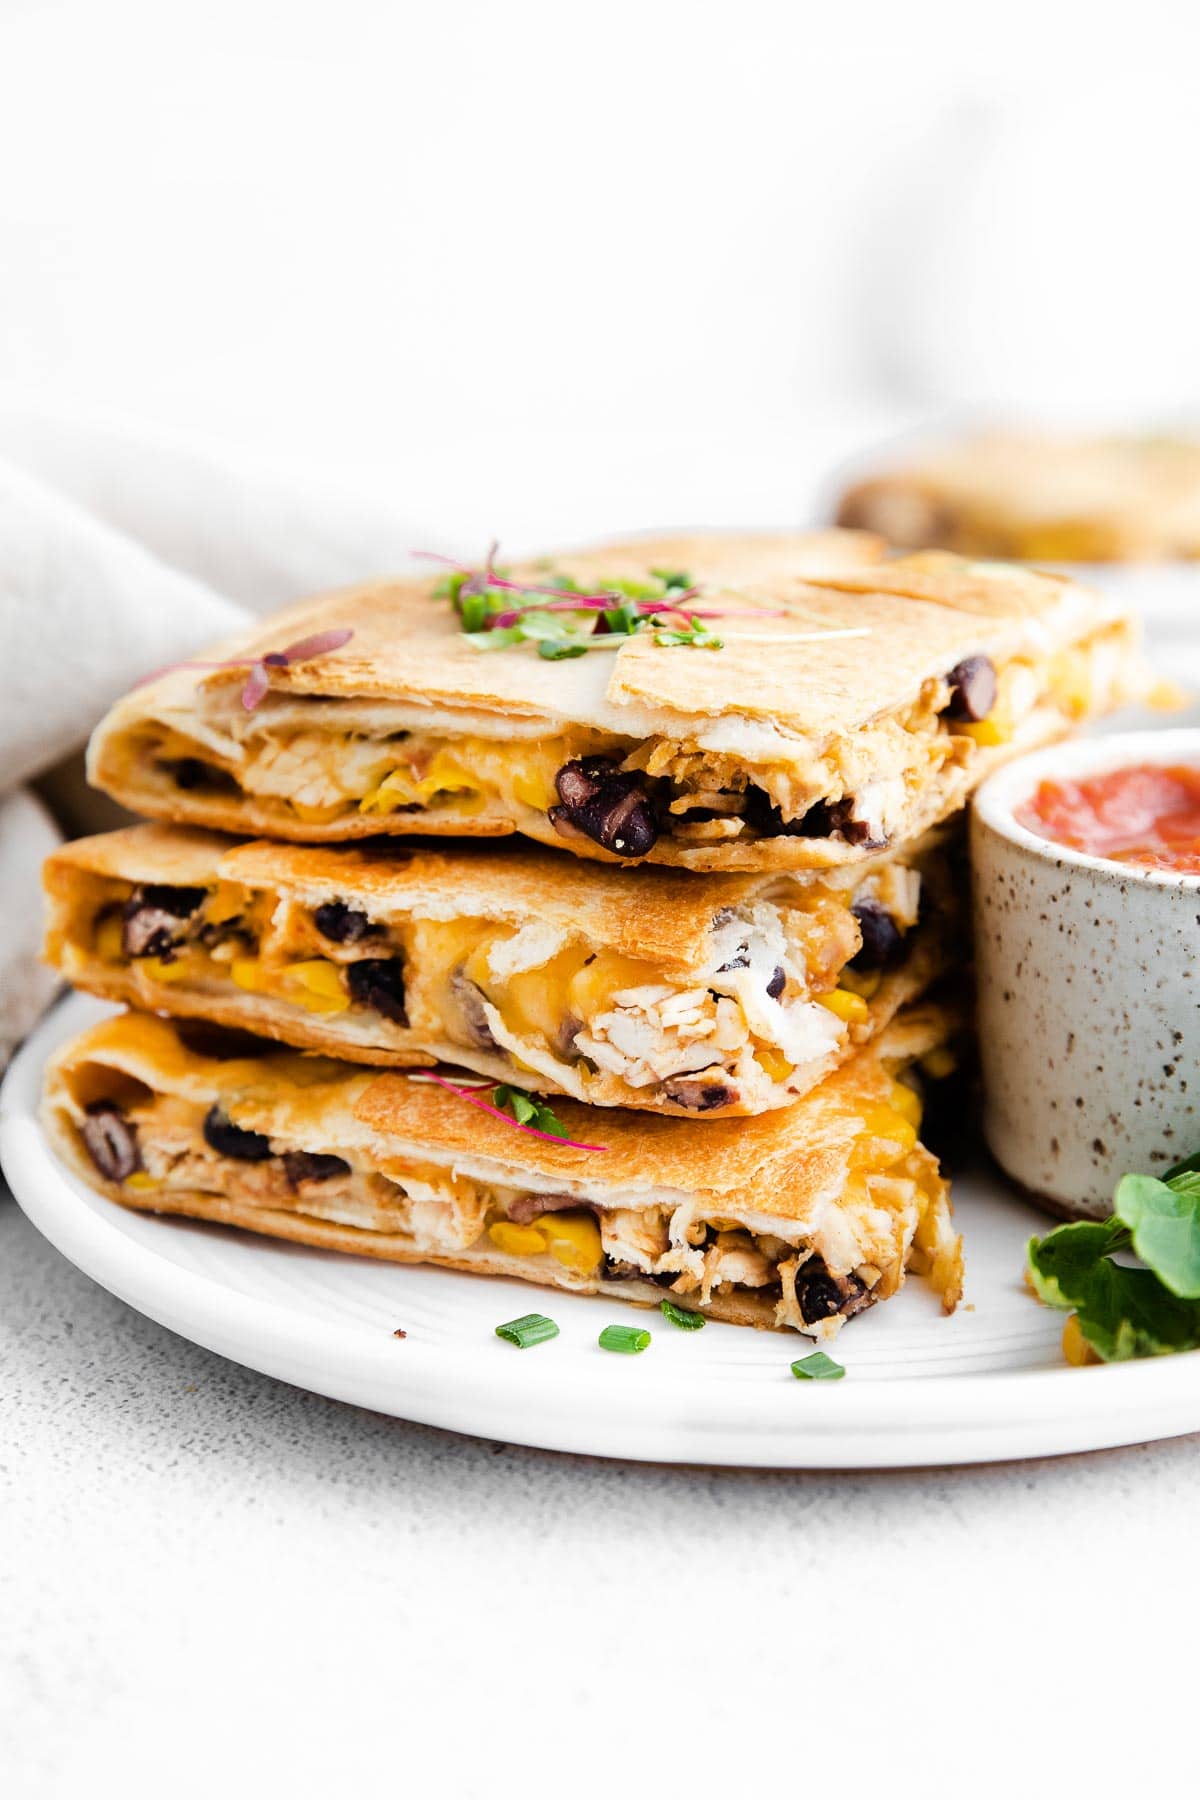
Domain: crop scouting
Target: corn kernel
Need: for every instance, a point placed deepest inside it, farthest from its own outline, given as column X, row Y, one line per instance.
column 1076, row 1348
column 314, row 815
column 227, row 901
column 517, row 1240
column 534, row 790
column 850, row 1007
column 109, row 938
column 773, row 1062
column 988, row 732
column 939, row 1063
column 907, row 1103
column 249, row 973
column 883, row 1122
column 317, row 986
column 140, row 1180
column 404, row 787
column 159, row 969
column 866, row 982
column 573, row 1239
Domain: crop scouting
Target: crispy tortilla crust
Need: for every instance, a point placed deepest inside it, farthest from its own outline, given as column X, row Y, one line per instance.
column 663, row 918
column 1044, row 498
column 789, row 1166
column 773, row 697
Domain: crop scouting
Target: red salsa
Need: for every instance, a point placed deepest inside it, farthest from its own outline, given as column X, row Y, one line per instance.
column 1149, row 815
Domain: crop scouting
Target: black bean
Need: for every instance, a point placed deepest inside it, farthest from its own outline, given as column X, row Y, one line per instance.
column 817, row 1294
column 607, row 804
column 820, row 1295
column 972, row 688
column 612, row 1269
column 883, row 942
column 768, row 820
column 469, row 1000
column 190, row 772
column 777, row 983
column 698, row 1094
column 111, row 1141
column 378, row 982
column 525, row 1208
column 563, row 1040
column 843, row 824
column 342, row 924
column 153, row 916
column 824, row 819
column 228, row 1139
column 309, row 1165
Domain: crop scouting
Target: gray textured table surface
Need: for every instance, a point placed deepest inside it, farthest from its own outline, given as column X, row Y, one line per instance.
column 211, row 1582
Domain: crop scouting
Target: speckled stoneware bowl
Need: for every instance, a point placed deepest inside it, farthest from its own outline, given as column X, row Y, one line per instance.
column 1089, row 990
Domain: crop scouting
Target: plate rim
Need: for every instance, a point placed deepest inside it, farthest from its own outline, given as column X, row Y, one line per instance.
column 903, row 1421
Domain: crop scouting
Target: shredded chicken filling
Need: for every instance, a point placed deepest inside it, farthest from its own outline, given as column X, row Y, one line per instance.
column 329, row 770
column 771, row 1007
column 810, row 1280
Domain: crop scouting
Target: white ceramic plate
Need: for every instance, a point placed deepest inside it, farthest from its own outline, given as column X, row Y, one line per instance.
column 985, row 1385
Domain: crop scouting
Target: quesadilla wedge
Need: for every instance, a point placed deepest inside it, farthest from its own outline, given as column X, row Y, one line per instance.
column 795, row 1219
column 682, row 993
column 1045, row 498
column 711, row 703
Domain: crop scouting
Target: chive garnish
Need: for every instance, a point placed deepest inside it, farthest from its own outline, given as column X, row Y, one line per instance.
column 628, row 1340
column 817, row 1367
column 534, row 1328
column 679, row 1315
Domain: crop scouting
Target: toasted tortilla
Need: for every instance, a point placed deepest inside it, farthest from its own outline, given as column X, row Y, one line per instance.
column 830, row 687
column 665, row 934
column 838, row 1177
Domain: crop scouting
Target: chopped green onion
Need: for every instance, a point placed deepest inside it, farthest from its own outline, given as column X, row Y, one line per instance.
column 534, row 1328
column 679, row 1315
column 817, row 1367
column 627, row 1339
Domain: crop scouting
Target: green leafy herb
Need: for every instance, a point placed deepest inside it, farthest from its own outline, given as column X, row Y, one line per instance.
column 534, row 1328
column 564, row 619
column 627, row 1340
column 527, row 1109
column 817, row 1367
column 679, row 1315
column 1125, row 1311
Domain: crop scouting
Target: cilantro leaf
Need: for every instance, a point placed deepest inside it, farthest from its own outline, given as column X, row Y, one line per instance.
column 1164, row 1222
column 1125, row 1311
column 1061, row 1262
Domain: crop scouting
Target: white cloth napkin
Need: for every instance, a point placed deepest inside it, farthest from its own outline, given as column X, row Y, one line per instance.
column 119, row 552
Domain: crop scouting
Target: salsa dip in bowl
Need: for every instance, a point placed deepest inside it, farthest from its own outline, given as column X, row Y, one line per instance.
column 1088, row 963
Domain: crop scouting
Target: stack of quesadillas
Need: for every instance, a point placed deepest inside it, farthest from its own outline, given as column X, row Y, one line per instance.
column 677, row 1046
